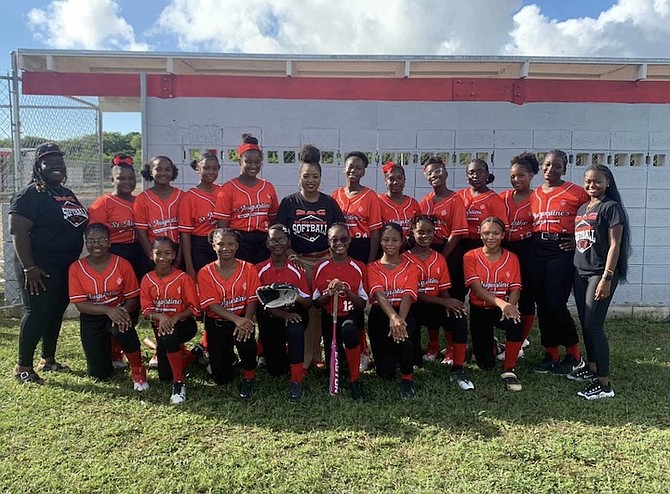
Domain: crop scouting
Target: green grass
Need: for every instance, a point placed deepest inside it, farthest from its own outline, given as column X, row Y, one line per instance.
column 76, row 435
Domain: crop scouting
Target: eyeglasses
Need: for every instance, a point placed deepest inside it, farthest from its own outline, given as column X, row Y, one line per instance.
column 97, row 241
column 277, row 241
column 342, row 240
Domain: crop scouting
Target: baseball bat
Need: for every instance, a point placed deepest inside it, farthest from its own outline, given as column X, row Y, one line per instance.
column 334, row 357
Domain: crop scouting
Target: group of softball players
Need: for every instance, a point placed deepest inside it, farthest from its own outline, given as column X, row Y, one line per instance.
column 367, row 267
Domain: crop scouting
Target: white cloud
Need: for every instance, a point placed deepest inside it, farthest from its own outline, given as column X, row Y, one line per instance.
column 83, row 24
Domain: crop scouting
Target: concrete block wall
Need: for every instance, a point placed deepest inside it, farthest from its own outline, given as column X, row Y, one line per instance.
column 634, row 140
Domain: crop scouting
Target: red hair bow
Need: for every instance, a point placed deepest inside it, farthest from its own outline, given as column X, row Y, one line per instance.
column 122, row 161
column 388, row 166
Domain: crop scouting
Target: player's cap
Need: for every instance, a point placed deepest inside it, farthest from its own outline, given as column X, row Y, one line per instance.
column 47, row 148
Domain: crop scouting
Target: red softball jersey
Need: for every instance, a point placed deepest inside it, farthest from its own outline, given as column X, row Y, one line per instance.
column 117, row 214
column 362, row 213
column 350, row 271
column 160, row 217
column 289, row 273
column 233, row 293
column 434, row 274
column 499, row 277
column 399, row 213
column 196, row 211
column 395, row 283
column 116, row 284
column 450, row 214
column 519, row 215
column 555, row 212
column 479, row 207
column 247, row 209
column 169, row 295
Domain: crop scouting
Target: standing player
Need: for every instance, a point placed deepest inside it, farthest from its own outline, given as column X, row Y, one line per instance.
column 345, row 276
column 480, row 201
column 494, row 278
column 170, row 303
column 104, row 289
column 435, row 307
column 248, row 204
column 227, row 289
column 395, row 206
column 518, row 238
column 393, row 284
column 602, row 235
column 554, row 206
column 308, row 214
column 283, row 329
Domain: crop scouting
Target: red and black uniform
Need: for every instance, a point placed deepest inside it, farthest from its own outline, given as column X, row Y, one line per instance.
column 477, row 208
column 234, row 294
column 171, row 295
column 111, row 287
column 518, row 240
column 434, row 279
column 276, row 336
column 159, row 217
column 401, row 214
column 450, row 221
column 500, row 277
column 196, row 217
column 250, row 211
column 349, row 319
column 395, row 284
column 553, row 271
column 362, row 216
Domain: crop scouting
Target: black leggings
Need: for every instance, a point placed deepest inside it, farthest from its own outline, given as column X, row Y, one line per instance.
column 523, row 250
column 169, row 343
column 95, row 332
column 482, row 322
column 346, row 332
column 592, row 315
column 43, row 313
column 220, row 341
column 387, row 353
column 553, row 276
column 433, row 317
column 275, row 334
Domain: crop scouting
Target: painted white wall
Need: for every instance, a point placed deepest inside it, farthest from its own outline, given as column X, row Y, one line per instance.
column 177, row 126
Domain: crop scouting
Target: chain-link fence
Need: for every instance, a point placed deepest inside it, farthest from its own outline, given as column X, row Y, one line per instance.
column 75, row 125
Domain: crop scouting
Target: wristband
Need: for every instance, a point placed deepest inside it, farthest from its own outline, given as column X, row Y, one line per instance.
column 606, row 277
column 27, row 270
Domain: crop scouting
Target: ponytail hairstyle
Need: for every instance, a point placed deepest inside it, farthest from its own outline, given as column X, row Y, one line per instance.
column 146, row 169
column 392, row 226
column 528, row 161
column 482, row 163
column 249, row 143
column 360, row 155
column 203, row 159
column 221, row 232
column 166, row 240
column 562, row 155
column 310, row 155
column 612, row 192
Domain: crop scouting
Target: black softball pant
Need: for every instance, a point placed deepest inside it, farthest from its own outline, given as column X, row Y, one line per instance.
column 553, row 275
column 592, row 315
column 275, row 335
column 482, row 322
column 455, row 267
column 94, row 332
column 359, row 249
column 202, row 252
column 220, row 342
column 346, row 332
column 170, row 343
column 252, row 247
column 433, row 317
column 523, row 250
column 43, row 313
column 134, row 254
column 387, row 353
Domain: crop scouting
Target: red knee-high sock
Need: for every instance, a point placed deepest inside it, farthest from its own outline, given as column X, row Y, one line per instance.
column 574, row 351
column 249, row 374
column 134, row 359
column 297, row 372
column 203, row 340
column 187, row 358
column 117, row 351
column 527, row 322
column 354, row 361
column 363, row 341
column 259, row 347
column 459, row 354
column 406, row 377
column 511, row 354
column 175, row 359
column 433, row 341
column 552, row 351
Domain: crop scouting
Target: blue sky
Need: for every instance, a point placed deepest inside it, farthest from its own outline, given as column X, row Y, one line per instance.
column 547, row 27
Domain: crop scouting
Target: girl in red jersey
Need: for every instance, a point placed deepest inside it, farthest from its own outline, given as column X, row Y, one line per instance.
column 518, row 237
column 360, row 206
column 157, row 209
column 494, row 278
column 393, row 285
column 248, row 204
column 345, row 276
column 227, row 289
column 554, row 206
column 170, row 302
column 284, row 328
column 104, row 289
column 602, row 236
column 196, row 215
column 435, row 307
column 480, row 201
column 395, row 206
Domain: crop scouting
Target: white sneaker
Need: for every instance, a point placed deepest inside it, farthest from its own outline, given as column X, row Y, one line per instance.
column 139, row 376
column 178, row 393
column 430, row 357
column 526, row 343
column 153, row 363
column 461, row 378
column 511, row 381
column 365, row 363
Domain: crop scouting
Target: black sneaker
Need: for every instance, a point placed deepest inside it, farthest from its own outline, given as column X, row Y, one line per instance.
column 584, row 374
column 545, row 365
column 595, row 391
column 407, row 389
column 357, row 391
column 295, row 392
column 200, row 354
column 459, row 377
column 568, row 365
column 248, row 388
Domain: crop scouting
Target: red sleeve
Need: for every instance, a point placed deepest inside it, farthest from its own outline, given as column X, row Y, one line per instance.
column 77, row 291
column 375, row 218
column 185, row 213
column 412, row 285
column 458, row 223
column 274, row 205
column 253, row 282
column 130, row 288
column 224, row 202
column 375, row 281
column 97, row 212
column 141, row 210
column 146, row 300
column 444, row 281
column 190, row 295
column 515, row 283
column 470, row 268
column 207, row 292
column 499, row 210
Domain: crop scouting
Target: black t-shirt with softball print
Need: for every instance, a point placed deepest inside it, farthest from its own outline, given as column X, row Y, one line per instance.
column 592, row 235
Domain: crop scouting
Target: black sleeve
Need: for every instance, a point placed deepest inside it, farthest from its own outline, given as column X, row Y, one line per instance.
column 614, row 215
column 338, row 217
column 26, row 203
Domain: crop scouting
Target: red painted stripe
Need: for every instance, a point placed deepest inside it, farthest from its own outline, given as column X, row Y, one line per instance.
column 518, row 91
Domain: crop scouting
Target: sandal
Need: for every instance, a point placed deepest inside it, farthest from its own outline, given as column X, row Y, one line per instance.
column 28, row 377
column 52, row 366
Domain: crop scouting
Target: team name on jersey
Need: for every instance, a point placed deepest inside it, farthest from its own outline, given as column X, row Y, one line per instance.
column 423, row 284
column 104, row 297
column 128, row 224
column 169, row 222
column 232, row 304
column 249, row 210
column 208, row 218
column 518, row 223
column 545, row 216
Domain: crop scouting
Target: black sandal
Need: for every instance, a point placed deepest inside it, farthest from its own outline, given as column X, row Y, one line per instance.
column 28, row 377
